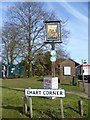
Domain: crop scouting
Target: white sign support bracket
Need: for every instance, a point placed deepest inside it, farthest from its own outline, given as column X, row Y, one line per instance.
column 31, row 107
column 61, row 103
column 30, row 101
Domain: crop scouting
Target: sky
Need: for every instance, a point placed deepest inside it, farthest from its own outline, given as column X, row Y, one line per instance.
column 77, row 15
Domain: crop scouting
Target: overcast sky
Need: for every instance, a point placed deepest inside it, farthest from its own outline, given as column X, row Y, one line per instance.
column 77, row 14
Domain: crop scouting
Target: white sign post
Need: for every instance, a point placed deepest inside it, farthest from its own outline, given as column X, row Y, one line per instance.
column 61, row 103
column 31, row 107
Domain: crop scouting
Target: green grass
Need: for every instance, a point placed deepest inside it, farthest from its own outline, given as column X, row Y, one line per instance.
column 12, row 101
column 69, row 87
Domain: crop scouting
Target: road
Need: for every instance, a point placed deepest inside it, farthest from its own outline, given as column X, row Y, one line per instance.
column 86, row 86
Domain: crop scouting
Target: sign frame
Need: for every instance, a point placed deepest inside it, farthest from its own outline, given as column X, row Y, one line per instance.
column 59, row 40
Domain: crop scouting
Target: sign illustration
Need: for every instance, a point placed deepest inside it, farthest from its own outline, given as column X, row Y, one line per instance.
column 52, row 32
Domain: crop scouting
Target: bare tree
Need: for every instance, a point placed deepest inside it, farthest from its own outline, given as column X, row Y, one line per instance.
column 27, row 36
column 10, row 49
column 28, row 18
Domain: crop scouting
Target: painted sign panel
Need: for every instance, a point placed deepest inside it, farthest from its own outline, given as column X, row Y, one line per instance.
column 45, row 92
column 52, row 32
column 67, row 70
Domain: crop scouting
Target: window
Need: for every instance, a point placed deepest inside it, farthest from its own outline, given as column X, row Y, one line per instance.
column 67, row 70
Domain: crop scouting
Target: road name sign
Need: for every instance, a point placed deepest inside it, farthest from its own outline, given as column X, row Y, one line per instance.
column 45, row 92
column 53, row 52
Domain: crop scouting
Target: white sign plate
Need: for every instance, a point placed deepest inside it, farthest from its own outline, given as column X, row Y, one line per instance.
column 53, row 59
column 53, row 52
column 45, row 92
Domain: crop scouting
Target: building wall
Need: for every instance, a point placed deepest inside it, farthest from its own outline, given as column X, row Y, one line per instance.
column 67, row 78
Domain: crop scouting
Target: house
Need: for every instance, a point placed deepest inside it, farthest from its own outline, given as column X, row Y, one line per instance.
column 66, row 69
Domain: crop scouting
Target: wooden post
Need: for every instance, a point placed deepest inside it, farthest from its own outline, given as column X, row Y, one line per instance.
column 31, row 107
column 53, row 63
column 82, row 73
column 61, row 103
column 24, row 104
column 78, row 84
column 80, row 104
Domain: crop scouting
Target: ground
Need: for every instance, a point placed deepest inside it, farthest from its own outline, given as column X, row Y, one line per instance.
column 12, row 100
